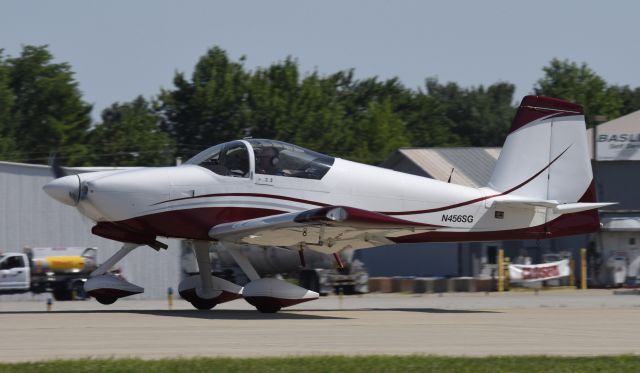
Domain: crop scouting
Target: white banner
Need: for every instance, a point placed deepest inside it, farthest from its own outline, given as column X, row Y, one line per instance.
column 539, row 272
column 618, row 146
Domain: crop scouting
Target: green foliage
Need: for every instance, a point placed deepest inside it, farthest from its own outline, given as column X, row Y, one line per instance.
column 381, row 132
column 48, row 114
column 333, row 114
column 578, row 83
column 364, row 363
column 210, row 107
column 42, row 111
column 478, row 116
column 318, row 118
column 630, row 98
column 129, row 135
column 7, row 98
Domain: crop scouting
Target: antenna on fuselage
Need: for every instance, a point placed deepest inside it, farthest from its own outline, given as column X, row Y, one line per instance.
column 451, row 174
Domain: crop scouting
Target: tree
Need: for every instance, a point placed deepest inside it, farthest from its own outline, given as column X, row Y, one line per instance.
column 208, row 109
column 48, row 114
column 428, row 125
column 380, row 132
column 479, row 116
column 7, row 98
column 332, row 114
column 129, row 135
column 578, row 83
column 319, row 119
column 630, row 98
column 272, row 94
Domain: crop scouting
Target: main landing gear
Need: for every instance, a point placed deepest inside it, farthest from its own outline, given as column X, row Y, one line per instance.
column 205, row 291
column 267, row 295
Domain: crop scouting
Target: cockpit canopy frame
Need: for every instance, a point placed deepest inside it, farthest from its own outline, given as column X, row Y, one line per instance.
column 271, row 157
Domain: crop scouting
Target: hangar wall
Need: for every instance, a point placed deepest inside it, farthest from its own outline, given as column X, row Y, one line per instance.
column 31, row 218
column 420, row 260
column 617, row 181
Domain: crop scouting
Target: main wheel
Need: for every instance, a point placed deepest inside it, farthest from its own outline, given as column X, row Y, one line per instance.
column 203, row 304
column 106, row 300
column 268, row 308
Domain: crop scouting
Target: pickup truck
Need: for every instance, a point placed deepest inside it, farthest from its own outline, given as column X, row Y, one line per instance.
column 59, row 270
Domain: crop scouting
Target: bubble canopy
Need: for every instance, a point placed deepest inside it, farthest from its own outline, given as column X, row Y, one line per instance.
column 271, row 157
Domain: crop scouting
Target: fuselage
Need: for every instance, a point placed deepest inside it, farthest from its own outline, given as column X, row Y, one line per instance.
column 186, row 201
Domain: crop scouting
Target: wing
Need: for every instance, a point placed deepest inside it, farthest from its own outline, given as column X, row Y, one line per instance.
column 327, row 229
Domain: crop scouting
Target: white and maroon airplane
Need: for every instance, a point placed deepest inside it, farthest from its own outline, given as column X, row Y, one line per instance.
column 270, row 193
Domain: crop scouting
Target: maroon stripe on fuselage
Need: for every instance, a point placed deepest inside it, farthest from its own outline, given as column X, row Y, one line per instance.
column 442, row 208
column 566, row 225
column 261, row 195
column 193, row 223
column 481, row 198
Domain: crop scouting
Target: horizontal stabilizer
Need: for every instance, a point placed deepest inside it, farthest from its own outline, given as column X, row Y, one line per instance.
column 523, row 202
column 568, row 208
column 558, row 208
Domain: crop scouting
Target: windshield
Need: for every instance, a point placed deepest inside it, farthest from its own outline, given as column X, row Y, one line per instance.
column 230, row 159
column 282, row 159
column 205, row 154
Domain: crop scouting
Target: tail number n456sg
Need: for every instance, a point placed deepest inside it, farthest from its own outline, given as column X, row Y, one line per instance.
column 457, row 218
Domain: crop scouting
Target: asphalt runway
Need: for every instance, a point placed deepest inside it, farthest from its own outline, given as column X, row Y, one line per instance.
column 593, row 322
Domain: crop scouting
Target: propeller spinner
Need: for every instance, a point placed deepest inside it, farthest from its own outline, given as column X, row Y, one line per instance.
column 64, row 188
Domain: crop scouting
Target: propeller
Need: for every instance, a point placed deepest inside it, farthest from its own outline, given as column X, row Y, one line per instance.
column 56, row 169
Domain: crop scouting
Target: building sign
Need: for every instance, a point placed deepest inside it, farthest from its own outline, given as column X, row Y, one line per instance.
column 618, row 146
column 539, row 272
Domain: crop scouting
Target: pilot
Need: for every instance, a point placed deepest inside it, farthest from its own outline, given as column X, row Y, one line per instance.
column 237, row 163
column 266, row 161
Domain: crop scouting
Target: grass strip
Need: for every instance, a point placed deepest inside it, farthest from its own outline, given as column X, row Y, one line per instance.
column 368, row 364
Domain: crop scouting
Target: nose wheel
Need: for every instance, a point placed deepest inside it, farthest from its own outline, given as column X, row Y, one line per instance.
column 107, row 288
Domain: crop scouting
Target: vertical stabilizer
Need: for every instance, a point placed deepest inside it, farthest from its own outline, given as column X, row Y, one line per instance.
column 545, row 155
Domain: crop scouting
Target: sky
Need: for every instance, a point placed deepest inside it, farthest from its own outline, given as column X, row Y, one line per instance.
column 123, row 48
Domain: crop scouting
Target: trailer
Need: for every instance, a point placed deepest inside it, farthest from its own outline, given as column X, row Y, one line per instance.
column 61, row 271
column 351, row 279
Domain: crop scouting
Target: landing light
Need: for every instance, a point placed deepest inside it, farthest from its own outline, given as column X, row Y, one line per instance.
column 337, row 214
